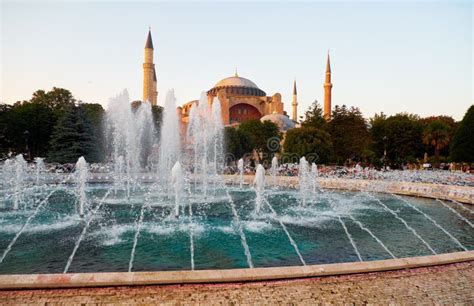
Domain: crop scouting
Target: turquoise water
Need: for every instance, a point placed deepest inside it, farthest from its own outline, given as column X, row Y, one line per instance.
column 164, row 241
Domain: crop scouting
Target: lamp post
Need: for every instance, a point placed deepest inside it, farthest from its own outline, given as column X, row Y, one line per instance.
column 385, row 152
column 26, row 134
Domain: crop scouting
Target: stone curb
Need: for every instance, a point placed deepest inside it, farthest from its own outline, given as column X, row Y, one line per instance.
column 71, row 280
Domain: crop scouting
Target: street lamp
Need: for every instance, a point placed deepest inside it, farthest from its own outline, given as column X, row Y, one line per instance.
column 385, row 152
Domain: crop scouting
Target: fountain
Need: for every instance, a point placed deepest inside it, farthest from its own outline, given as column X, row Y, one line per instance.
column 259, row 187
column 81, row 175
column 170, row 146
column 177, row 182
column 130, row 131
column 19, row 181
column 205, row 138
column 240, row 167
column 274, row 170
column 40, row 169
column 314, row 177
column 164, row 204
column 304, row 179
column 118, row 172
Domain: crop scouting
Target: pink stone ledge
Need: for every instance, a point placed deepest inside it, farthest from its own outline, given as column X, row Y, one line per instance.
column 71, row 280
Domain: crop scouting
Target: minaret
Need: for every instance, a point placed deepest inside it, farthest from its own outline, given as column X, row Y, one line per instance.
column 294, row 104
column 150, row 92
column 327, row 91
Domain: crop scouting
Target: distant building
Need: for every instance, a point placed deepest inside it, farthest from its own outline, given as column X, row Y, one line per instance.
column 241, row 99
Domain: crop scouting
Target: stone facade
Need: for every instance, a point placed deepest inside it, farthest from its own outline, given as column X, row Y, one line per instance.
column 240, row 99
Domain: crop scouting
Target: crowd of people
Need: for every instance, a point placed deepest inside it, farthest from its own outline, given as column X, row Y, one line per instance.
column 448, row 177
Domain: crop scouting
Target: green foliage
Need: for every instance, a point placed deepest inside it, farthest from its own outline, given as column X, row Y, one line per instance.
column 95, row 113
column 236, row 143
column 5, row 139
column 314, row 117
column 73, row 137
column 403, row 137
column 313, row 143
column 452, row 126
column 437, row 135
column 462, row 149
column 57, row 98
column 24, row 123
column 349, row 134
column 264, row 138
column 34, row 121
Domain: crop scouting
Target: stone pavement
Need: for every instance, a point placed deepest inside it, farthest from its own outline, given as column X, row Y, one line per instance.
column 448, row 284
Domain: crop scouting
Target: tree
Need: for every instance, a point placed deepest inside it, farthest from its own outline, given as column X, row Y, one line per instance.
column 237, row 143
column 462, row 148
column 5, row 139
column 29, row 123
column 400, row 134
column 32, row 122
column 436, row 134
column 452, row 126
column 264, row 138
column 57, row 98
column 310, row 142
column 314, row 117
column 349, row 134
column 95, row 113
column 73, row 137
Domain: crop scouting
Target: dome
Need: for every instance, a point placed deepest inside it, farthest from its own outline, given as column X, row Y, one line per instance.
column 283, row 122
column 237, row 86
column 236, row 81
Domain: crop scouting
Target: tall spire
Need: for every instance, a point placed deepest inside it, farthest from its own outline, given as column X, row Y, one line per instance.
column 294, row 103
column 327, row 90
column 328, row 64
column 149, row 41
column 150, row 92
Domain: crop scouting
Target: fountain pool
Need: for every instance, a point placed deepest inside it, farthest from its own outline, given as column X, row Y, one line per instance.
column 221, row 229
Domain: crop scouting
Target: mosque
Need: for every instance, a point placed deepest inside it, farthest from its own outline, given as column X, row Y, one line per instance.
column 241, row 99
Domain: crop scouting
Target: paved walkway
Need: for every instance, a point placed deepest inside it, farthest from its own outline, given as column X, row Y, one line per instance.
column 449, row 284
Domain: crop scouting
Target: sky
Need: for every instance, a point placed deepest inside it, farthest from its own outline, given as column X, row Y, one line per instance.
column 386, row 56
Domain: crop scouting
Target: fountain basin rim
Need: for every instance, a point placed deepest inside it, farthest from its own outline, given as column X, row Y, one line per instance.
column 107, row 279
column 463, row 194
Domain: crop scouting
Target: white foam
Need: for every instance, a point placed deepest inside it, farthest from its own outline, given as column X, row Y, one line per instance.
column 170, row 228
column 257, row 226
column 307, row 221
column 39, row 228
column 226, row 229
column 111, row 235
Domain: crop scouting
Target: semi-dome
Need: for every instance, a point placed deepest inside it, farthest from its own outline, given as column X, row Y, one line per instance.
column 283, row 122
column 236, row 85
